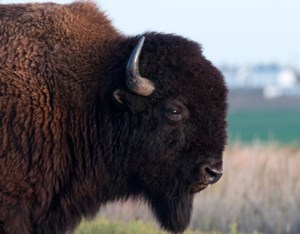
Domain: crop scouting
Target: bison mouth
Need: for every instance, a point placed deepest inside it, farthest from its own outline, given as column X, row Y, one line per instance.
column 197, row 187
column 173, row 214
column 204, row 175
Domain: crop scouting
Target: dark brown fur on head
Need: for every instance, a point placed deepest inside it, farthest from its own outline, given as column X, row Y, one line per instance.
column 74, row 137
column 169, row 154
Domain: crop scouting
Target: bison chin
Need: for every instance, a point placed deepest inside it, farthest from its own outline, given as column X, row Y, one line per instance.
column 173, row 214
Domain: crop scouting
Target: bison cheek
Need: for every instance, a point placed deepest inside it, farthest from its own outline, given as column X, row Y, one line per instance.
column 173, row 214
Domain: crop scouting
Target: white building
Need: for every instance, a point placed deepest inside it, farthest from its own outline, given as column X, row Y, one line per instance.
column 272, row 79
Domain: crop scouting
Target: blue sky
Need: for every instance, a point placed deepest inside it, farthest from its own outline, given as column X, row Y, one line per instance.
column 230, row 31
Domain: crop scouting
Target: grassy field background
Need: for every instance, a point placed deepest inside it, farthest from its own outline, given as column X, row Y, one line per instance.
column 279, row 125
column 107, row 226
column 259, row 193
column 253, row 118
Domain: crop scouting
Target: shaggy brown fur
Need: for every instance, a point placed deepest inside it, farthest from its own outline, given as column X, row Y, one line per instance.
column 68, row 145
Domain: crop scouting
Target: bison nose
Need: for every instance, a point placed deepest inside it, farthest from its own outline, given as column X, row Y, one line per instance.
column 213, row 174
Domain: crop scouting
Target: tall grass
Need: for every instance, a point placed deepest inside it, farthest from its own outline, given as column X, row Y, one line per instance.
column 259, row 193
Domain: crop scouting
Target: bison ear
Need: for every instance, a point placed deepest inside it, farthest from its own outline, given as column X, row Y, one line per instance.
column 133, row 102
column 119, row 96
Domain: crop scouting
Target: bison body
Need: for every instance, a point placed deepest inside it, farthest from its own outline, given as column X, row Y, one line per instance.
column 77, row 132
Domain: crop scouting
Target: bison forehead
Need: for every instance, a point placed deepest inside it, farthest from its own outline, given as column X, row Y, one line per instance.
column 177, row 65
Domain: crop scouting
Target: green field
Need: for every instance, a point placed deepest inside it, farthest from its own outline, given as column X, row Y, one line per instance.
column 106, row 226
column 282, row 126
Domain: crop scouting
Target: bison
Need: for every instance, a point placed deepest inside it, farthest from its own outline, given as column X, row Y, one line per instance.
column 89, row 116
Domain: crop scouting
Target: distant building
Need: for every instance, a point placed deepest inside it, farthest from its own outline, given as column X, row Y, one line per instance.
column 287, row 78
column 273, row 80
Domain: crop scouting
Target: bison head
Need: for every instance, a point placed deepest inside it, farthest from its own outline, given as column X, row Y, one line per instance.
column 168, row 107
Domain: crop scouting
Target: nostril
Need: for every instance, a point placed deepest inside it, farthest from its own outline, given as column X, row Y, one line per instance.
column 214, row 174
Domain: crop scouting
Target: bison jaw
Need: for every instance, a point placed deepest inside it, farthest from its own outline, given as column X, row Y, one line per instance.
column 173, row 214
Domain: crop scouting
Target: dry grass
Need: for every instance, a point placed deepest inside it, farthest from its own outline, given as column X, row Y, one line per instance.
column 260, row 191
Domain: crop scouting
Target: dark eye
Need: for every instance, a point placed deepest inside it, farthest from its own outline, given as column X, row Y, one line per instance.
column 174, row 114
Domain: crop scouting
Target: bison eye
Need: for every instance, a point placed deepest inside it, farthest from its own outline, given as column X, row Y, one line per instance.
column 174, row 114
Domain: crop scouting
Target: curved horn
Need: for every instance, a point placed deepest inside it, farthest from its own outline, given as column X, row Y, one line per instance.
column 134, row 81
